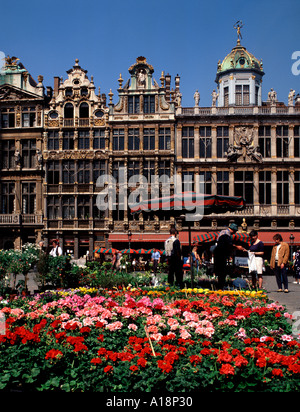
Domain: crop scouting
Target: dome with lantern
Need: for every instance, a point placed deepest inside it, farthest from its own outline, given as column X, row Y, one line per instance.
column 239, row 77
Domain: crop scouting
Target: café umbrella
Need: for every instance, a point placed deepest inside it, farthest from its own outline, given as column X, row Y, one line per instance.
column 184, row 203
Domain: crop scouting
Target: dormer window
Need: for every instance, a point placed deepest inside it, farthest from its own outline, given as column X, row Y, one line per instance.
column 84, row 111
column 69, row 92
column 84, row 91
column 242, row 95
column 69, row 111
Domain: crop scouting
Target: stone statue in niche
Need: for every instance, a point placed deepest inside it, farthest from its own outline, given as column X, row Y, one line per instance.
column 141, row 78
column 243, row 146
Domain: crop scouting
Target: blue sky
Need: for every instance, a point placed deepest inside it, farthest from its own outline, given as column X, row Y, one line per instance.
column 185, row 37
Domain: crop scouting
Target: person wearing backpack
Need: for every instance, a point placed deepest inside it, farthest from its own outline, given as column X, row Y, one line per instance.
column 173, row 254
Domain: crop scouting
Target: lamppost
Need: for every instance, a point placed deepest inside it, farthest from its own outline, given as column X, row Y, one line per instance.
column 292, row 239
column 129, row 237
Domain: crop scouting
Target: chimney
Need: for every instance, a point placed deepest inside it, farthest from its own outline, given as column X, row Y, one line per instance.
column 168, row 85
column 56, row 85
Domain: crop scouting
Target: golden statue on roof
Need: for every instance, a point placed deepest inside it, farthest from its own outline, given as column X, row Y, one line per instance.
column 238, row 25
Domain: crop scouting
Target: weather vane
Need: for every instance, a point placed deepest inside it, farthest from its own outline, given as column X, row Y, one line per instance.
column 238, row 25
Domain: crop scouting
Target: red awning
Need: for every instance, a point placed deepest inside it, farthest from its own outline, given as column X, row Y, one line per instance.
column 138, row 237
column 267, row 237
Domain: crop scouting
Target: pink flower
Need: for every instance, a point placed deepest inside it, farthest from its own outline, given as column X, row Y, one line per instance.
column 114, row 326
column 132, row 326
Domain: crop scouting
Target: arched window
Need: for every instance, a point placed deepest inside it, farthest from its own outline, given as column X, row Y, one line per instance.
column 84, row 111
column 69, row 111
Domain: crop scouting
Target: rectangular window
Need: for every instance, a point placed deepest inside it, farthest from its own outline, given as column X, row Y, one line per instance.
column 7, row 118
column 164, row 138
column 164, row 168
column 118, row 139
column 117, row 165
column 188, row 142
column 83, row 207
column 205, row 142
column 83, row 171
column 28, row 153
column 53, row 207
column 297, row 141
column 223, row 183
column 83, row 140
column 205, row 177
column 188, row 181
column 282, row 187
column 149, row 104
column 99, row 169
column 68, row 140
column 7, row 197
column 53, row 140
column 28, row 117
column 282, row 141
column 242, row 95
column 133, row 168
column 148, row 169
column 68, row 207
column 222, row 140
column 28, row 198
column 265, row 187
column 297, row 187
column 133, row 104
column 264, row 140
column 243, row 185
column 133, row 139
column 68, row 171
column 53, row 172
column 99, row 139
column 226, row 96
column 7, row 154
column 149, row 139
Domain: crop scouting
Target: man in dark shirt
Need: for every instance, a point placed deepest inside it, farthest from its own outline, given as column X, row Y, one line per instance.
column 174, row 261
column 223, row 251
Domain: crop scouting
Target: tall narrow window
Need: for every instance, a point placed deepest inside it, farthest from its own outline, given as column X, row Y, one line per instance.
column 243, row 185
column 53, row 140
column 133, row 139
column 205, row 182
column 282, row 187
column 7, row 197
column 187, row 142
column 99, row 139
column 68, row 140
column 265, row 185
column 68, row 207
column 297, row 141
column 83, row 207
column 118, row 139
column 69, row 111
column 297, row 187
column 223, row 183
column 7, row 154
column 53, row 207
column 28, row 153
column 282, row 141
column 165, row 138
column 83, row 171
column 99, row 169
column 222, row 140
column 205, row 142
column 149, row 104
column 149, row 139
column 242, row 95
column 7, row 118
column 134, row 104
column 133, row 168
column 83, row 139
column 84, row 110
column 53, row 172
column 68, row 171
column 226, row 96
column 28, row 198
column 264, row 140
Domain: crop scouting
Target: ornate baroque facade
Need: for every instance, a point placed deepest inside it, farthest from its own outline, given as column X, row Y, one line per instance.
column 56, row 143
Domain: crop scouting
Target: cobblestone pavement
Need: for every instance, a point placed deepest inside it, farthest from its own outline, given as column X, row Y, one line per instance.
column 291, row 300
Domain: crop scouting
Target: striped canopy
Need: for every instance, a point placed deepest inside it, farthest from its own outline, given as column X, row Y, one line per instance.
column 186, row 200
column 212, row 237
column 128, row 251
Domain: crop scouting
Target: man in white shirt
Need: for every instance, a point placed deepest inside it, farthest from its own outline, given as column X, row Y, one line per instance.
column 56, row 250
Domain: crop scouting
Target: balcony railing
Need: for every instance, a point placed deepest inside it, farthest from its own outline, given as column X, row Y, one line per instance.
column 18, row 219
column 236, row 110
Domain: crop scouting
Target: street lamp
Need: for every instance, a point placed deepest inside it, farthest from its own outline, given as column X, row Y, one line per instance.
column 292, row 239
column 129, row 237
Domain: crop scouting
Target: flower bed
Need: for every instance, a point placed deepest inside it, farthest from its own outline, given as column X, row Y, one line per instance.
column 124, row 340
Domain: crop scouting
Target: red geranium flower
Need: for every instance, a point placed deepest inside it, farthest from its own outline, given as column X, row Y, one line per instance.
column 108, row 369
column 226, row 369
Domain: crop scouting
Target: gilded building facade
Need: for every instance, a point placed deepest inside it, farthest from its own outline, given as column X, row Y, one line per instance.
column 60, row 146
